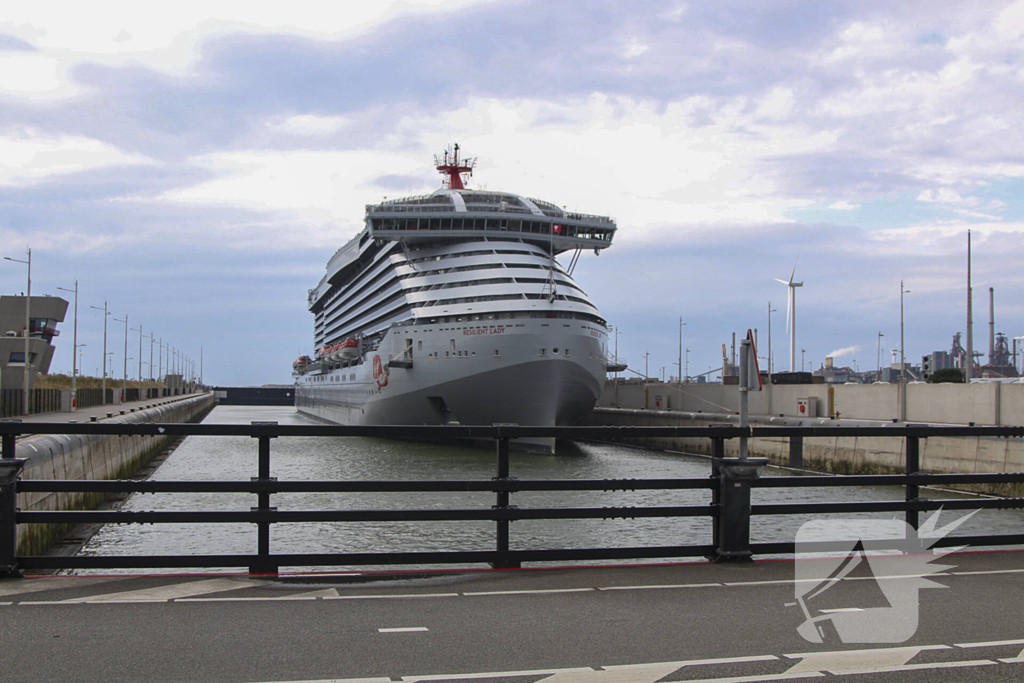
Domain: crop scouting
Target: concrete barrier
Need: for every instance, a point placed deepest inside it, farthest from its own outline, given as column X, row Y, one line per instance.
column 838, row 455
column 94, row 456
column 991, row 403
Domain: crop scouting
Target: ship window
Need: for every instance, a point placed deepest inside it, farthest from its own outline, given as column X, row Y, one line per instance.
column 554, row 350
column 543, row 352
column 496, row 354
column 446, row 223
column 419, row 345
column 567, row 352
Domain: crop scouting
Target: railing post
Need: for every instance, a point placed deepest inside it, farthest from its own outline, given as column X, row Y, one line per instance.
column 796, row 452
column 913, row 490
column 263, row 563
column 501, row 531
column 10, row 471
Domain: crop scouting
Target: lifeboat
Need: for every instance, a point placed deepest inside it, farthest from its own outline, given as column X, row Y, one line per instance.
column 300, row 364
column 350, row 348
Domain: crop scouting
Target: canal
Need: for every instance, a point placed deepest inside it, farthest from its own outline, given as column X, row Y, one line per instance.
column 357, row 458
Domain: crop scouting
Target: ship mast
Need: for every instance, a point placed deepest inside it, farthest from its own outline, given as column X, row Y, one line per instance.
column 451, row 166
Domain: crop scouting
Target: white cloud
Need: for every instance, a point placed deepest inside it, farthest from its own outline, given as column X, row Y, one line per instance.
column 308, row 125
column 30, row 157
column 843, row 206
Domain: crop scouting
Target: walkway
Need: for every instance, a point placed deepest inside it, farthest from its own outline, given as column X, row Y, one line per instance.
column 669, row 623
column 101, row 412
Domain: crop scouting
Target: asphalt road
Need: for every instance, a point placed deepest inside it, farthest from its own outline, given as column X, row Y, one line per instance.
column 694, row 622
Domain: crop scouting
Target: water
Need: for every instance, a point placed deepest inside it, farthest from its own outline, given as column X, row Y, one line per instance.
column 316, row 458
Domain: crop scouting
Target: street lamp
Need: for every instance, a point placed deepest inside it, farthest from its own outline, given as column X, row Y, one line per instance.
column 878, row 371
column 687, row 365
column 124, row 380
column 802, row 353
column 770, row 311
column 105, row 314
column 681, row 326
column 903, row 361
column 28, row 299
column 139, row 330
column 74, row 350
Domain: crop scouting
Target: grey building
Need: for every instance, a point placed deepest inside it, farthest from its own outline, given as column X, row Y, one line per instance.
column 44, row 314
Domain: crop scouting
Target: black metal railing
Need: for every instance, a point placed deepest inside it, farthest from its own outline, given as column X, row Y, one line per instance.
column 730, row 484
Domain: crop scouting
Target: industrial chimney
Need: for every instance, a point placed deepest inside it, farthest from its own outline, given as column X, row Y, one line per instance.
column 991, row 326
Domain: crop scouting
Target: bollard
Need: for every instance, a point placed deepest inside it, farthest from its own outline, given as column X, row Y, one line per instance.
column 263, row 563
column 732, row 524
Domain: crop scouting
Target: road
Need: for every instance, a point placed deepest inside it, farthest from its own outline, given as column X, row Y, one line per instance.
column 669, row 623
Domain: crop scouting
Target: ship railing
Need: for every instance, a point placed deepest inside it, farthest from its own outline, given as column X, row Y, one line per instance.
column 725, row 497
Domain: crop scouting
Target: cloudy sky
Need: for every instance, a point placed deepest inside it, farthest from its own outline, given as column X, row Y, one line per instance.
column 195, row 164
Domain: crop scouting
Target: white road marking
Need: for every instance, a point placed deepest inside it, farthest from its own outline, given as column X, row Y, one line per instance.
column 811, row 665
column 405, row 629
column 308, row 595
column 641, row 588
column 918, row 667
column 991, row 643
column 533, row 592
column 989, row 571
column 391, row 597
column 19, row 586
column 840, row 661
column 165, row 593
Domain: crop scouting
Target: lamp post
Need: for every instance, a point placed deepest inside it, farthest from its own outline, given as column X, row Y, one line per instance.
column 74, row 350
column 770, row 311
column 124, row 379
column 687, row 365
column 151, row 355
column 139, row 330
column 803, row 352
column 878, row 370
column 903, row 361
column 28, row 299
column 105, row 314
column 681, row 326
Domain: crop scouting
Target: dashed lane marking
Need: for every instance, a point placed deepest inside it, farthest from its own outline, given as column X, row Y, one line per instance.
column 532, row 592
column 403, row 629
column 195, row 591
column 671, row 585
column 392, row 597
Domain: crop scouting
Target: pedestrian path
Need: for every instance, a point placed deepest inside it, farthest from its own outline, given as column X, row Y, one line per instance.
column 97, row 413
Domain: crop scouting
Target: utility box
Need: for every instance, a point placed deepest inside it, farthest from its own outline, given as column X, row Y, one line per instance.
column 807, row 407
column 661, row 402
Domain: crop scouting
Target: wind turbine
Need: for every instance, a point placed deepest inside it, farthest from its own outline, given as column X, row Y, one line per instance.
column 791, row 313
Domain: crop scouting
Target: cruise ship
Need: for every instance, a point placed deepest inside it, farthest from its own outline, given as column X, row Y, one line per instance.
column 453, row 308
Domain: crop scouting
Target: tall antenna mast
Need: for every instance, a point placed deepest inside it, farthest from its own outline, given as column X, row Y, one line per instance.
column 451, row 166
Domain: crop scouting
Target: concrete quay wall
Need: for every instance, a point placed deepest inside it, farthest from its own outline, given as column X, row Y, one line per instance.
column 981, row 403
column 838, row 455
column 94, row 456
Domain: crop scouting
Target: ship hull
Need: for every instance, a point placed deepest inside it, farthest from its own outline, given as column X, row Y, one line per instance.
column 529, row 374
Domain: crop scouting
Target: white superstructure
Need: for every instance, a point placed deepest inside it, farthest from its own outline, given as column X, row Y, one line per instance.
column 451, row 307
